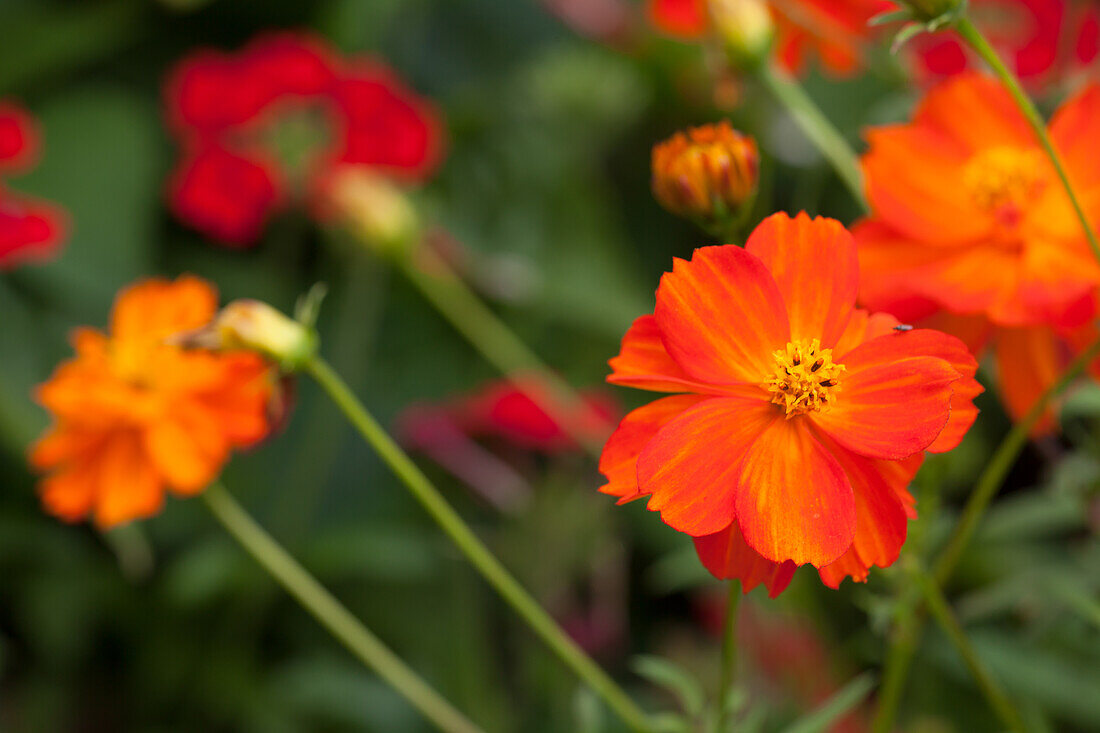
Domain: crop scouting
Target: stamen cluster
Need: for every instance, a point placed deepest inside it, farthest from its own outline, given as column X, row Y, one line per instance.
column 805, row 379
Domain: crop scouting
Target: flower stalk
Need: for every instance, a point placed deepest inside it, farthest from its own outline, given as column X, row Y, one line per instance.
column 981, row 46
column 729, row 655
column 331, row 614
column 816, row 126
column 473, row 548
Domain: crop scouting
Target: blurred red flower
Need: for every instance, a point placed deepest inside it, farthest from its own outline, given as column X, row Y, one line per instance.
column 135, row 414
column 1035, row 37
column 803, row 418
column 30, row 230
column 269, row 123
column 832, row 30
column 999, row 255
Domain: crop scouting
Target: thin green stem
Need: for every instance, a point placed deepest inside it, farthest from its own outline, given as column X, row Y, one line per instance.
column 982, row 47
column 996, row 697
column 499, row 345
column 816, row 126
column 331, row 614
column 729, row 654
column 474, row 549
column 911, row 614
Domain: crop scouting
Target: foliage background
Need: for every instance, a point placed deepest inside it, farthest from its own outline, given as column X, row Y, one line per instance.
column 546, row 184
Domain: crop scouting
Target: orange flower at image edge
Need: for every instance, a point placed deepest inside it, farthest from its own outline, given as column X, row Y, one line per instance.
column 135, row 415
column 802, row 418
column 1000, row 257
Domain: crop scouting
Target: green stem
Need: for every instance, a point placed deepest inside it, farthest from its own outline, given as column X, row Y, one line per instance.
column 982, row 47
column 497, row 343
column 331, row 614
column 820, row 131
column 729, row 654
column 903, row 646
column 473, row 548
column 996, row 697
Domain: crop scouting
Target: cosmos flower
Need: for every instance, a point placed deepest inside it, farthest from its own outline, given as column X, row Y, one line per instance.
column 998, row 257
column 832, row 30
column 30, row 230
column 135, row 414
column 800, row 418
column 269, row 124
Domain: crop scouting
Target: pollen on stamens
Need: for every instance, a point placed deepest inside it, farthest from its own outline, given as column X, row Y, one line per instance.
column 805, row 377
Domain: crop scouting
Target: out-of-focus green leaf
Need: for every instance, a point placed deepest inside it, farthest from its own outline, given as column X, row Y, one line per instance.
column 663, row 673
column 840, row 703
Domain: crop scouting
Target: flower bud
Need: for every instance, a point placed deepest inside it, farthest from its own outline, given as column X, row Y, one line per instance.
column 746, row 28
column 251, row 325
column 707, row 174
column 374, row 208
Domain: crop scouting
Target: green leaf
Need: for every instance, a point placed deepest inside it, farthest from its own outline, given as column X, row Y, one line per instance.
column 891, row 16
column 847, row 698
column 669, row 676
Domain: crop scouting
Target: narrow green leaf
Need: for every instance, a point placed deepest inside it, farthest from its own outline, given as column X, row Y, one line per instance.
column 843, row 701
column 668, row 676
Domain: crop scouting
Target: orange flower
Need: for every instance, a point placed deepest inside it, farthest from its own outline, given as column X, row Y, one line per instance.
column 134, row 414
column 802, row 419
column 707, row 174
column 969, row 218
column 833, row 30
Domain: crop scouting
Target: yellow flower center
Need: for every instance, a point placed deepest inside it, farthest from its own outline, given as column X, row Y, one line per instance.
column 1004, row 180
column 805, row 378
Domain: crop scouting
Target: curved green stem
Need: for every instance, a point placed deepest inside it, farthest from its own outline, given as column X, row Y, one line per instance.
column 474, row 549
column 821, row 132
column 331, row 614
column 910, row 615
column 996, row 697
column 497, row 343
column 729, row 654
column 982, row 47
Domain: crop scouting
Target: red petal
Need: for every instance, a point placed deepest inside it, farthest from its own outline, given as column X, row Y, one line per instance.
column 691, row 466
column 721, row 316
column 793, row 500
column 893, row 401
column 726, row 555
column 863, row 326
column 881, row 522
column 18, row 138
column 684, row 19
column 619, row 460
column 814, row 265
column 224, row 195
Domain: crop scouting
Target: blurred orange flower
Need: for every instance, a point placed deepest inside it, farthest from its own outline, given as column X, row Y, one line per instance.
column 135, row 414
column 971, row 225
column 803, row 418
column 832, row 30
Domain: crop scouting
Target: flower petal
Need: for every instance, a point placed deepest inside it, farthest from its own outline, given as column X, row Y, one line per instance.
column 814, row 265
column 721, row 315
column 727, row 556
column 127, row 485
column 156, row 308
column 881, row 521
column 863, row 326
column 619, row 460
column 644, row 362
column 793, row 500
column 187, row 447
column 691, row 465
column 892, row 402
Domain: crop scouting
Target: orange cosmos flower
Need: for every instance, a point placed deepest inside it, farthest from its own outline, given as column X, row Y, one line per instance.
column 970, row 220
column 135, row 415
column 707, row 173
column 801, row 419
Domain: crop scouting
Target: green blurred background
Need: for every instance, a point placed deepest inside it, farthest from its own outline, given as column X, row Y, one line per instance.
column 546, row 184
